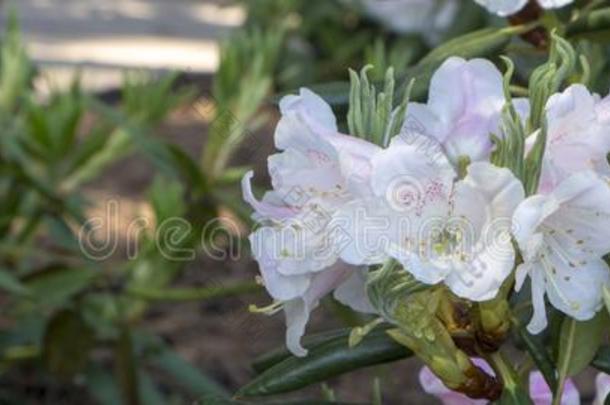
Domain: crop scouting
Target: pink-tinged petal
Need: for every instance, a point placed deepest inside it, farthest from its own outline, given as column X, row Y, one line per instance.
column 280, row 286
column 602, row 386
column 434, row 386
column 355, row 161
column 265, row 209
column 541, row 394
column 463, row 110
column 297, row 311
column 411, row 179
column 503, row 8
column 353, row 291
column 310, row 107
column 578, row 136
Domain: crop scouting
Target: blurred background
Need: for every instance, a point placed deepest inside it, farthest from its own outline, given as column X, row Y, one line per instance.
column 119, row 115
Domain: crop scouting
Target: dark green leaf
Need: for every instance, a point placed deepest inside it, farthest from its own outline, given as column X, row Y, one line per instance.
column 325, row 361
column 579, row 342
column 536, row 349
column 55, row 286
column 602, row 359
column 102, row 386
column 271, row 358
column 67, row 343
column 186, row 374
column 591, row 24
column 10, row 283
column 125, row 368
column 517, row 396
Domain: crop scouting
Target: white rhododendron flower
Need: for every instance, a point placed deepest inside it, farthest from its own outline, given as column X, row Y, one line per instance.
column 427, row 17
column 562, row 237
column 464, row 108
column 504, row 8
column 439, row 229
column 578, row 136
column 317, row 171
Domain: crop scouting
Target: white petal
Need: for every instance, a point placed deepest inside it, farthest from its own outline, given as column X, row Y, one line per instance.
column 353, row 292
column 467, row 97
column 270, row 207
column 602, row 386
column 297, row 310
column 484, row 203
column 423, row 270
column 582, row 224
column 554, row 3
column 577, row 292
column 539, row 320
column 368, row 226
column 311, row 107
column 578, row 136
column 411, row 179
column 528, row 217
column 279, row 286
column 412, row 16
column 503, row 8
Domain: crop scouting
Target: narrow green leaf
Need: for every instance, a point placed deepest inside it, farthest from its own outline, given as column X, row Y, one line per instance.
column 579, row 343
column 55, row 286
column 274, row 357
column 67, row 343
column 10, row 283
column 125, row 368
column 590, row 25
column 102, row 386
column 602, row 359
column 517, row 396
column 325, row 361
column 539, row 354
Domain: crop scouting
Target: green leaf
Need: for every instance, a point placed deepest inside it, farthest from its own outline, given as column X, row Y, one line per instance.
column 10, row 283
column 328, row 360
column 187, row 375
column 55, row 286
column 602, row 359
column 516, row 396
column 148, row 392
column 590, row 25
column 102, row 386
column 125, row 368
column 272, row 358
column 579, row 343
column 67, row 343
column 536, row 349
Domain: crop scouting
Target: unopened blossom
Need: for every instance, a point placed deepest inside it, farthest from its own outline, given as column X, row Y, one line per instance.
column 438, row 228
column 317, row 171
column 562, row 236
column 578, row 136
column 427, row 17
column 464, row 109
column 504, row 8
column 539, row 391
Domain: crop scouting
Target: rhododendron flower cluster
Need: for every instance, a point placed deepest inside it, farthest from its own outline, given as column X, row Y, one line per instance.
column 340, row 204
